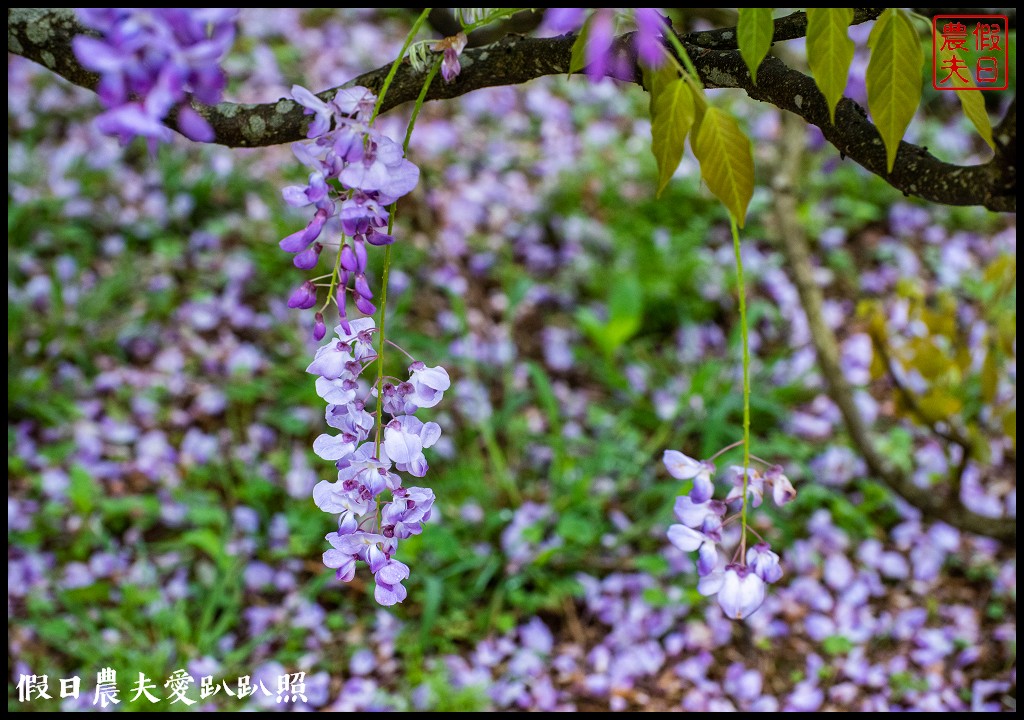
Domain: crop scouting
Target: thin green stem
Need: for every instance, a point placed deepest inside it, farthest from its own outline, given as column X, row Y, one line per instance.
column 757, row 535
column 398, row 347
column 684, row 56
column 742, row 291
column 380, row 351
column 673, row 59
column 420, row 99
column 488, row 19
column 387, row 251
column 334, row 276
column 398, row 61
column 755, row 458
column 726, row 449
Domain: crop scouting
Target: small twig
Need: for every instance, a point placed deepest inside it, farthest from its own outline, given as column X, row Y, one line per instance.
column 572, row 618
column 956, row 476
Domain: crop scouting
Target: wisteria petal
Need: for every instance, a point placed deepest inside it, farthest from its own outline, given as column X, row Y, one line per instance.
column 388, row 595
column 194, row 126
column 402, row 447
column 710, row 584
column 326, row 497
column 703, row 489
column 332, row 447
column 707, row 558
column 393, row 572
column 742, row 593
column 684, row 538
column 680, row 466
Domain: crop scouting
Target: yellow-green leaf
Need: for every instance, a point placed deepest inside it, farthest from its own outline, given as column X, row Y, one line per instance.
column 700, row 106
column 971, row 101
column 937, row 405
column 894, row 77
column 655, row 80
column 671, row 119
column 726, row 162
column 830, row 52
column 578, row 59
column 754, row 36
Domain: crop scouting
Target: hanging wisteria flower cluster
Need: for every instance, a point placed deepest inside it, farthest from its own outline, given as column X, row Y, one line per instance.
column 150, row 60
column 739, row 583
column 369, row 527
column 356, row 172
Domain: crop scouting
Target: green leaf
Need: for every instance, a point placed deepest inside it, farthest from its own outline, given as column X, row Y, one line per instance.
column 594, row 329
column 656, row 597
column 726, row 162
column 209, row 542
column 754, row 35
column 652, row 564
column 626, row 298
column 577, row 529
column 625, row 309
column 82, row 490
column 971, row 101
column 837, row 645
column 700, row 105
column 578, row 59
column 625, row 315
column 655, row 80
column 894, row 77
column 830, row 52
column 431, row 606
column 938, row 405
column 88, row 595
column 672, row 117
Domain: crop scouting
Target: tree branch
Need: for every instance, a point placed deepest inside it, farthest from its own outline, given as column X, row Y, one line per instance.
column 791, row 27
column 44, row 35
column 791, row 239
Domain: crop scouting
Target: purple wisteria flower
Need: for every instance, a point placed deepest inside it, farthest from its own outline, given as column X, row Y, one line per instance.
column 649, row 28
column 428, row 384
column 705, row 542
column 452, row 47
column 740, row 590
column 405, row 438
column 370, row 523
column 150, row 60
column 764, row 563
column 683, row 467
column 562, row 20
column 782, row 489
column 600, row 56
column 755, row 485
column 740, row 586
column 598, row 52
column 356, row 171
column 304, row 296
